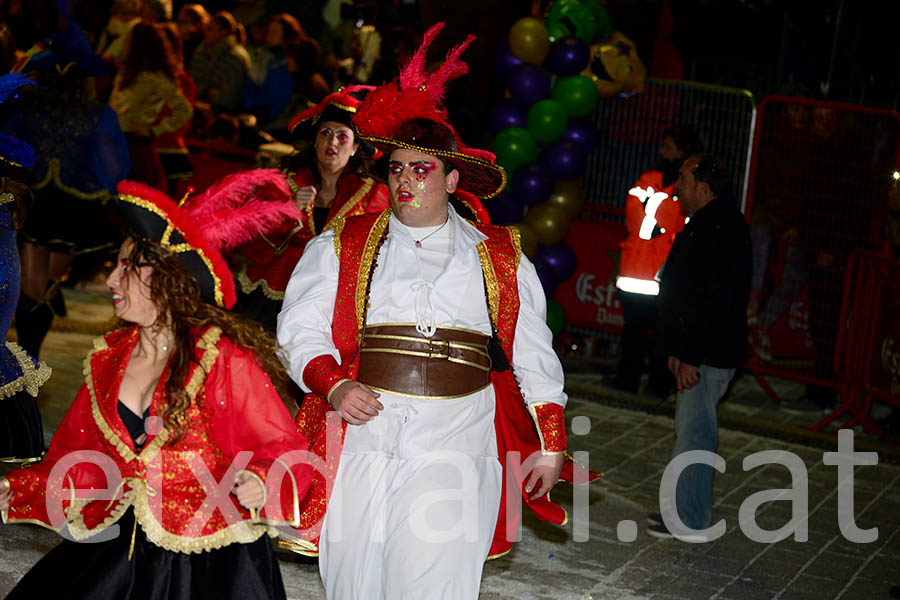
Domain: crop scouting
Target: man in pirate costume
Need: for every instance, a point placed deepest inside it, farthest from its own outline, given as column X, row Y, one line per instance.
column 411, row 328
column 327, row 179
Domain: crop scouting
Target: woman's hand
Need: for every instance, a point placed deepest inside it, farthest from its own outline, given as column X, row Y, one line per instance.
column 305, row 196
column 5, row 494
column 249, row 491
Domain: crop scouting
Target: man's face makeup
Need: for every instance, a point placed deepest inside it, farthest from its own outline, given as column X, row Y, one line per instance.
column 419, row 188
column 419, row 171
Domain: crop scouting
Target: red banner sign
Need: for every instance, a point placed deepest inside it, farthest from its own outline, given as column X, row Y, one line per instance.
column 589, row 296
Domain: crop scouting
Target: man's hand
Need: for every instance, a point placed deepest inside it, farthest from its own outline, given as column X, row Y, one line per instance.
column 305, row 196
column 686, row 376
column 5, row 494
column 546, row 471
column 248, row 491
column 673, row 364
column 356, row 403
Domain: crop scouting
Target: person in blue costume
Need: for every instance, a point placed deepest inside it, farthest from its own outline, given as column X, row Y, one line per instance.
column 21, row 376
column 80, row 156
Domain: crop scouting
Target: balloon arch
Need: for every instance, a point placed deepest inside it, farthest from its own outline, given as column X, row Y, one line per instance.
column 555, row 70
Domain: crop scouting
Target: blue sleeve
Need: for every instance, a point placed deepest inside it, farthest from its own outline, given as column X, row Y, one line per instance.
column 111, row 162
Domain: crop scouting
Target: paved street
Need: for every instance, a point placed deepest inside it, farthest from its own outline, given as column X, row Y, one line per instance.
column 630, row 438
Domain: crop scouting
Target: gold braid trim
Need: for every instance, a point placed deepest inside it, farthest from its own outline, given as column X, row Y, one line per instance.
column 373, row 242
column 352, row 202
column 121, row 447
column 296, row 544
column 248, row 286
column 491, row 285
column 310, row 220
column 79, row 531
column 207, row 343
column 338, row 226
column 515, row 236
column 31, row 379
column 53, row 168
column 242, row 532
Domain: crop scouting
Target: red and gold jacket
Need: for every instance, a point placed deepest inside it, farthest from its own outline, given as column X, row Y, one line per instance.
column 519, row 428
column 273, row 256
column 179, row 491
column 653, row 216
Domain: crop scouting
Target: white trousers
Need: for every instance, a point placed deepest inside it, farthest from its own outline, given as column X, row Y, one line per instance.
column 415, row 502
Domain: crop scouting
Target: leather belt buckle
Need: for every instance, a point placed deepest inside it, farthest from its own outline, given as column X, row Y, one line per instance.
column 443, row 349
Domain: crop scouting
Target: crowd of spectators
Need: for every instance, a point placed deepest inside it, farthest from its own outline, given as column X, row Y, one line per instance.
column 238, row 64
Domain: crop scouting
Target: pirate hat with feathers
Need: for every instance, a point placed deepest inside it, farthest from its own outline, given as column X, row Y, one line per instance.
column 228, row 214
column 408, row 112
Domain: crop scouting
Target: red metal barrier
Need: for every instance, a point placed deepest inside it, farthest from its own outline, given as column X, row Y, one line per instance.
column 867, row 357
column 819, row 177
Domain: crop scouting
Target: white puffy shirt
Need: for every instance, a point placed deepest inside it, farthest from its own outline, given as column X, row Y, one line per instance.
column 410, row 285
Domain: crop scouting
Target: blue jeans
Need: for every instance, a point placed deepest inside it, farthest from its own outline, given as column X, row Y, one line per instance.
column 697, row 428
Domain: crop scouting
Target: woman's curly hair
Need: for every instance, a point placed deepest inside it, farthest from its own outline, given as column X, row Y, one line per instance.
column 176, row 294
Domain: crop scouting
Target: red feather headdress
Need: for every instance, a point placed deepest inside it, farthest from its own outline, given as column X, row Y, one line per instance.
column 409, row 112
column 231, row 212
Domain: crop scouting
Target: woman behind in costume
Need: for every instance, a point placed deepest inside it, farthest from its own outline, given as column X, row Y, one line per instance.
column 328, row 178
column 80, row 156
column 148, row 101
column 21, row 376
column 178, row 420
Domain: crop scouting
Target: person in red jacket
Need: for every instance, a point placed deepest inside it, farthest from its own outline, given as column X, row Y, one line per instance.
column 653, row 217
column 328, row 179
column 173, row 459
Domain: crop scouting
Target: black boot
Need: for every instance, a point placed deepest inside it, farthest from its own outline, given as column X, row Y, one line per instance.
column 32, row 323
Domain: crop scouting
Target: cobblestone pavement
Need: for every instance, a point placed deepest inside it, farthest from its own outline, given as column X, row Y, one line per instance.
column 630, row 439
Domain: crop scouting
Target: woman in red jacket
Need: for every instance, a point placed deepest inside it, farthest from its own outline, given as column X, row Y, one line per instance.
column 177, row 457
column 328, row 178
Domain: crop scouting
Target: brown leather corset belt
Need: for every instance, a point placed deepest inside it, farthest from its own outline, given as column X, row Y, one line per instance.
column 400, row 360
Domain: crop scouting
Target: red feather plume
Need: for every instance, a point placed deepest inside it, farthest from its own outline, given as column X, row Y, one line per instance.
column 414, row 93
column 236, row 209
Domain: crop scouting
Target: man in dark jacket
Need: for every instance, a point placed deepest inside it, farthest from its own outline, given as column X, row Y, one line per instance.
column 703, row 296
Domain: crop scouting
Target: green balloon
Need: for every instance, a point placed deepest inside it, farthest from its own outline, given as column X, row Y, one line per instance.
column 515, row 147
column 556, row 316
column 585, row 19
column 547, row 120
column 577, row 94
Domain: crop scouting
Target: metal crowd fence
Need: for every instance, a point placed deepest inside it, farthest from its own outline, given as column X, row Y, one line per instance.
column 818, row 188
column 631, row 129
column 867, row 352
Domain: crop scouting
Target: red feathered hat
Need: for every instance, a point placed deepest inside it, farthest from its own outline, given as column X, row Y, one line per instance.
column 338, row 107
column 228, row 214
column 408, row 113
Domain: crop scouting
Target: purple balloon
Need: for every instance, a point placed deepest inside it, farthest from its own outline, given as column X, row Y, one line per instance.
column 531, row 184
column 507, row 113
column 548, row 278
column 568, row 56
column 504, row 61
column 527, row 84
column 559, row 258
column 582, row 131
column 504, row 209
column 564, row 160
